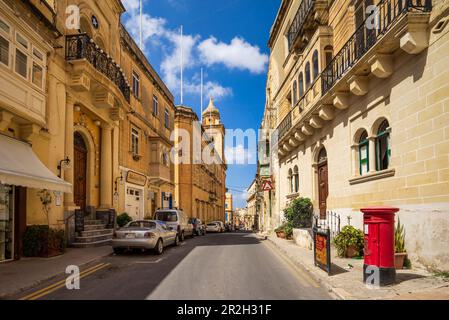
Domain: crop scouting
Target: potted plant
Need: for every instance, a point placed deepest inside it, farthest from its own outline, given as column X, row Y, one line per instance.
column 123, row 220
column 399, row 244
column 349, row 242
column 299, row 213
column 280, row 232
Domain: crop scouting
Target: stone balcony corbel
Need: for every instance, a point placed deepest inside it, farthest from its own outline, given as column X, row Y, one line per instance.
column 103, row 98
column 281, row 152
column 5, row 119
column 321, row 12
column 316, row 122
column 326, row 113
column 307, row 130
column 300, row 137
column 29, row 131
column 414, row 38
column 286, row 148
column 382, row 65
column 358, row 85
column 341, row 100
column 116, row 114
column 80, row 82
column 292, row 142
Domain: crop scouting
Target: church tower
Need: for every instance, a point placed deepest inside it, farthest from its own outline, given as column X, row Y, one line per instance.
column 214, row 128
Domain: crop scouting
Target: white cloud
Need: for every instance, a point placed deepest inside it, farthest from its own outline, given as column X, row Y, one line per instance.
column 238, row 155
column 239, row 54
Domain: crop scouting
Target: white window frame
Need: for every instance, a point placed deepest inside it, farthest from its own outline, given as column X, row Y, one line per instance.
column 136, row 80
column 41, row 63
column 135, row 137
column 155, row 105
column 7, row 37
column 26, row 77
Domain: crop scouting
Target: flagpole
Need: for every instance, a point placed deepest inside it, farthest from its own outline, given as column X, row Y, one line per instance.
column 141, row 23
column 182, row 67
column 202, row 105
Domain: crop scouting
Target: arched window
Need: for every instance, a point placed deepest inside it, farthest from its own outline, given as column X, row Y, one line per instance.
column 290, row 180
column 322, row 156
column 315, row 64
column 296, row 178
column 295, row 93
column 329, row 54
column 308, row 81
column 383, row 152
column 301, row 85
column 364, row 153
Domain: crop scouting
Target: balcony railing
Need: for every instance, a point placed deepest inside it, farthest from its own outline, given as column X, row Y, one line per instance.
column 298, row 22
column 365, row 37
column 285, row 125
column 80, row 46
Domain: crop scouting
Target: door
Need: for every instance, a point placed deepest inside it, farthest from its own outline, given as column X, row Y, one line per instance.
column 134, row 205
column 80, row 171
column 6, row 223
column 323, row 188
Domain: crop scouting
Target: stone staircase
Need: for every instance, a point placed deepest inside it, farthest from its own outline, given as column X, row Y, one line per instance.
column 95, row 234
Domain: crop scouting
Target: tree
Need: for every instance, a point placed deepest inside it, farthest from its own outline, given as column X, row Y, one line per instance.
column 300, row 213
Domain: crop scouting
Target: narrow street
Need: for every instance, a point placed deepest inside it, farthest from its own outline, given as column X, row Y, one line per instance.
column 232, row 266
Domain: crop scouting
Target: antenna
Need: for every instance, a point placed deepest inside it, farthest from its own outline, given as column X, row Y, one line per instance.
column 182, row 66
column 141, row 23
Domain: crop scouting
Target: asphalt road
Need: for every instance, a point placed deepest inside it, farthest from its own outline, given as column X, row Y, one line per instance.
column 230, row 266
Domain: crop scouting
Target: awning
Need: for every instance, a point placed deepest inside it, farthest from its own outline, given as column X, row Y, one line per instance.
column 19, row 166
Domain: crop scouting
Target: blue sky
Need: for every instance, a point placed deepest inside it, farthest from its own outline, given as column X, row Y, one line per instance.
column 228, row 39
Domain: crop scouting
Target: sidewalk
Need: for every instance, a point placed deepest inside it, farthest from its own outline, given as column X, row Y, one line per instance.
column 346, row 280
column 18, row 276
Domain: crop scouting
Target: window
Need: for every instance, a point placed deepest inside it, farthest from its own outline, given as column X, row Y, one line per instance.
column 22, row 41
column 4, row 27
column 135, row 141
column 290, row 180
column 295, row 93
column 308, row 82
column 21, row 63
column 37, row 75
column 155, row 106
column 301, row 85
column 364, row 153
column 315, row 65
column 296, row 177
column 383, row 152
column 328, row 51
column 165, row 158
column 136, row 85
column 4, row 51
column 167, row 119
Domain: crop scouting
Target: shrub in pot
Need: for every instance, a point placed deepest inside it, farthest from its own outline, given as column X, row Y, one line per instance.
column 123, row 220
column 349, row 242
column 299, row 213
column 43, row 241
column 399, row 244
column 280, row 232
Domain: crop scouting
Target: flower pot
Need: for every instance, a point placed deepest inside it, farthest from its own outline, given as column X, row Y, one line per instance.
column 281, row 234
column 351, row 252
column 399, row 259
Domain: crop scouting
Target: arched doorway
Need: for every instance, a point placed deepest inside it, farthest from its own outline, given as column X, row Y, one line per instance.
column 80, row 171
column 323, row 182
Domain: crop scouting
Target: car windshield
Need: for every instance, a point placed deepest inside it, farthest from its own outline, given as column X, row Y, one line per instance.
column 167, row 216
column 212, row 224
column 142, row 224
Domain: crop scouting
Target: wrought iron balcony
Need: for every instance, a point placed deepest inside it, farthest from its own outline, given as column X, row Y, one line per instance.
column 81, row 46
column 298, row 22
column 285, row 125
column 364, row 38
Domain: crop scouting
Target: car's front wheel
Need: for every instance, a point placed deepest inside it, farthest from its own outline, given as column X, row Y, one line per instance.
column 176, row 241
column 159, row 249
column 182, row 237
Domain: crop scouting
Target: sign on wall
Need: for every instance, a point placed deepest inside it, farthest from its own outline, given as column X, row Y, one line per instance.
column 136, row 178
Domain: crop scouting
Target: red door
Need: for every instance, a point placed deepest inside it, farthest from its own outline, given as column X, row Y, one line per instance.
column 323, row 188
column 80, row 171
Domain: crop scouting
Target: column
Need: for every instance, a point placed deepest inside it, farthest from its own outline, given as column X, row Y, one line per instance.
column 68, row 174
column 355, row 160
column 106, row 167
column 372, row 154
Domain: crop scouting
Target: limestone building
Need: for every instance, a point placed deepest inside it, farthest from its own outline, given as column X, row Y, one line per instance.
column 229, row 208
column 200, row 168
column 362, row 105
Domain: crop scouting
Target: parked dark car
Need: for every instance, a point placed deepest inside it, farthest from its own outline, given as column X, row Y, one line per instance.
column 199, row 228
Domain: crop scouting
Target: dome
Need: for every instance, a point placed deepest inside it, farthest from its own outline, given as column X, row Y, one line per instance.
column 211, row 109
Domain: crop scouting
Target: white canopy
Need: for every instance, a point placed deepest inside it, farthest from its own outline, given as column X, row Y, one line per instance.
column 19, row 166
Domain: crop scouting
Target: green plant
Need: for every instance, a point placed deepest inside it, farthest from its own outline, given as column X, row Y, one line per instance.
column 349, row 237
column 280, row 229
column 40, row 240
column 299, row 213
column 399, row 238
column 123, row 220
column 288, row 229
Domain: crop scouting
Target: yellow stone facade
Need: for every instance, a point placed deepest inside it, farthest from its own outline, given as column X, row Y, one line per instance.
column 72, row 94
column 367, row 109
column 200, row 185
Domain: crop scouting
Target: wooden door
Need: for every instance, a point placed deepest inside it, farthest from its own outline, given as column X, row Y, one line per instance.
column 323, row 188
column 80, row 171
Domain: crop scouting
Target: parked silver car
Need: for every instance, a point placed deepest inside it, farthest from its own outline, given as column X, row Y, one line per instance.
column 177, row 220
column 221, row 224
column 146, row 235
column 213, row 227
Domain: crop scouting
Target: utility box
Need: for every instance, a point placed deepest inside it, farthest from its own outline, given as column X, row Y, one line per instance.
column 379, row 268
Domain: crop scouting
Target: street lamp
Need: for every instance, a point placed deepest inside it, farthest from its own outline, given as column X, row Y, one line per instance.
column 63, row 164
column 117, row 180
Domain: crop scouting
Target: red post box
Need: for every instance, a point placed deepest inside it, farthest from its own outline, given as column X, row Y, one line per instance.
column 379, row 265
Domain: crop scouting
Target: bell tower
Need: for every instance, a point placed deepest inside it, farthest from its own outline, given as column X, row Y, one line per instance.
column 214, row 128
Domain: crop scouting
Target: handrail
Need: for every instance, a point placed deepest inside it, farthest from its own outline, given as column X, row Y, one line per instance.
column 298, row 22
